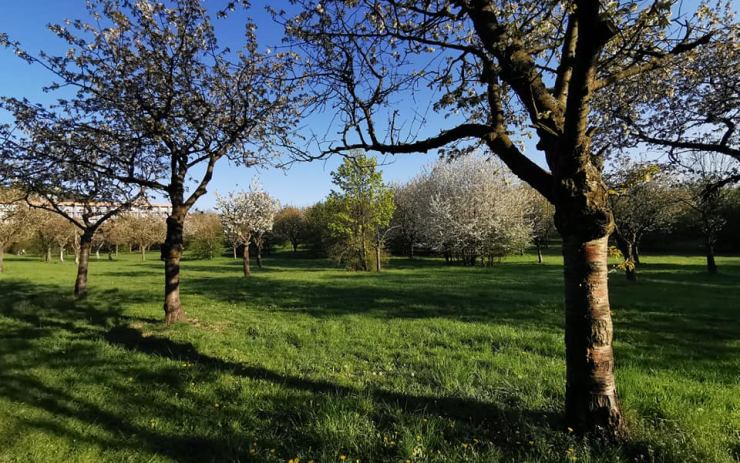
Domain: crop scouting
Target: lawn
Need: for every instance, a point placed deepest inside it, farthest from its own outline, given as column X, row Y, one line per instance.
column 423, row 362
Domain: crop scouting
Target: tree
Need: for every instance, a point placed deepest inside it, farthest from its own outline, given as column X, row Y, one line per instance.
column 541, row 217
column 495, row 70
column 290, row 224
column 204, row 235
column 169, row 103
column 51, row 230
column 14, row 221
column 42, row 161
column 705, row 194
column 246, row 217
column 143, row 231
column 360, row 209
column 408, row 215
column 643, row 202
column 691, row 105
column 474, row 211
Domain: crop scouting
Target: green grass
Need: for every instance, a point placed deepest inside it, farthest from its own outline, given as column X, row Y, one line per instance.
column 423, row 362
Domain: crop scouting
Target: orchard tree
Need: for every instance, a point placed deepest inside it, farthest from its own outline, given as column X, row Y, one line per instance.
column 50, row 231
column 643, row 201
column 42, row 160
column 497, row 70
column 706, row 194
column 360, row 211
column 409, row 214
column 246, row 217
column 475, row 211
column 540, row 215
column 143, row 230
column 15, row 221
column 290, row 224
column 152, row 81
column 204, row 235
column 691, row 105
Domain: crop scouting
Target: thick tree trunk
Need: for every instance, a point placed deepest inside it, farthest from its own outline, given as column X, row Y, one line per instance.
column 233, row 249
column 172, row 253
column 82, row 266
column 591, row 403
column 48, row 254
column 245, row 261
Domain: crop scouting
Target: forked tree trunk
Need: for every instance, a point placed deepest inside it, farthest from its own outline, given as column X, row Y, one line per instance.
column 172, row 253
column 82, row 265
column 245, row 260
column 591, row 402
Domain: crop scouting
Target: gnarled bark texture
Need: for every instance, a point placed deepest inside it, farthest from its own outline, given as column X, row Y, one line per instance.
column 172, row 253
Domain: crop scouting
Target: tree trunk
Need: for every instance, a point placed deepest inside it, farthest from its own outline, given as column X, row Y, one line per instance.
column 628, row 252
column 142, row 249
column 61, row 254
column 591, row 403
column 258, row 248
column 48, row 254
column 295, row 246
column 245, row 260
column 636, row 253
column 378, row 265
column 116, row 251
column 411, row 251
column 2, row 258
column 233, row 248
column 539, row 251
column 711, row 264
column 172, row 253
column 82, row 265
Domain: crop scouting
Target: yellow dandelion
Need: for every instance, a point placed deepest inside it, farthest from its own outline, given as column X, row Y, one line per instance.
column 342, row 457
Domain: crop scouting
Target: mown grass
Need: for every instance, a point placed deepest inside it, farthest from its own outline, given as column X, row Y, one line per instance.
column 423, row 362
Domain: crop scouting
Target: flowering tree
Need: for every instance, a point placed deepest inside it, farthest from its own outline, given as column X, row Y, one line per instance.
column 474, row 210
column 246, row 217
column 408, row 216
column 495, row 70
column 541, row 216
column 164, row 103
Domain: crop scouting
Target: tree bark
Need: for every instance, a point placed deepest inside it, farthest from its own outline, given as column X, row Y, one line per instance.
column 591, row 403
column 82, row 266
column 539, row 251
column 295, row 246
column 61, row 254
column 711, row 264
column 628, row 252
column 378, row 265
column 2, row 258
column 258, row 248
column 172, row 253
column 233, row 249
column 245, row 260
column 142, row 249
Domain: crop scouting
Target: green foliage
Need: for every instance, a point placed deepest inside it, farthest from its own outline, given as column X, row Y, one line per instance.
column 358, row 212
column 424, row 362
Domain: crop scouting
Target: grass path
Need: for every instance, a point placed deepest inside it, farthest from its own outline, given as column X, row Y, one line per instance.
column 420, row 363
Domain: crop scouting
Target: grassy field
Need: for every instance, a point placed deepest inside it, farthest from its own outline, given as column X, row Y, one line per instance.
column 421, row 363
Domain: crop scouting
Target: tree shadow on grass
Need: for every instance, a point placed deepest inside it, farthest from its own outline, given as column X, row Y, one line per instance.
column 82, row 373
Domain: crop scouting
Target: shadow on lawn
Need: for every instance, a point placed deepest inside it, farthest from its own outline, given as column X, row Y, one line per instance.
column 103, row 403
